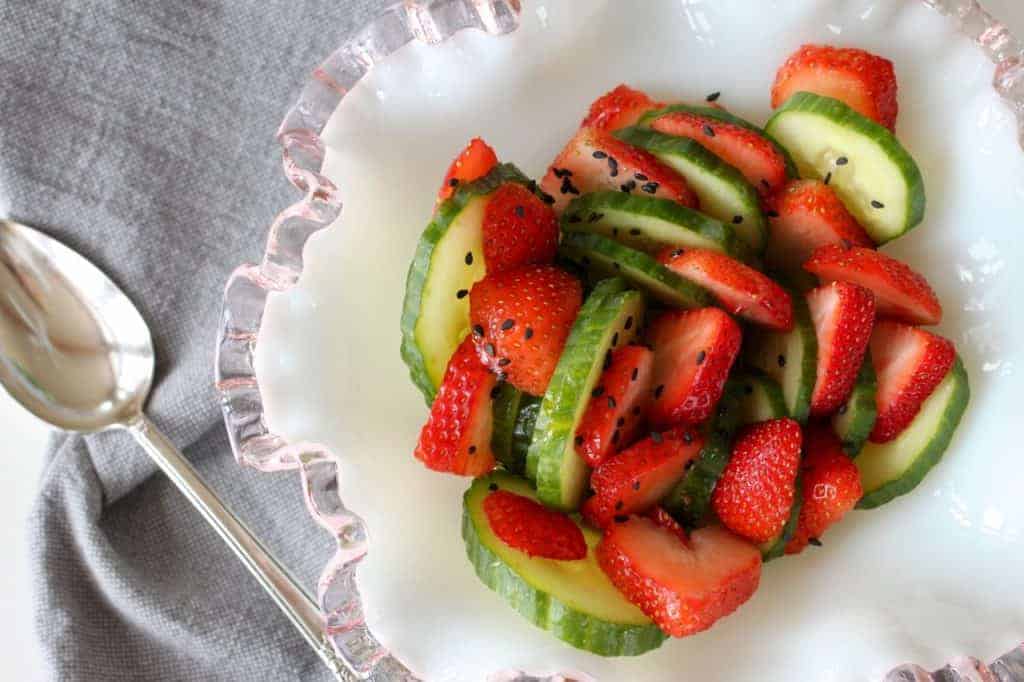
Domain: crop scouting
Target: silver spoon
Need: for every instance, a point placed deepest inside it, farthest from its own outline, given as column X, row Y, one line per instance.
column 76, row 353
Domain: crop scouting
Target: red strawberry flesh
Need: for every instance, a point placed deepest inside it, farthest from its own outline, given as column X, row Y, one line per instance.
column 519, row 229
column 527, row 525
column 474, row 162
column 843, row 315
column 619, row 108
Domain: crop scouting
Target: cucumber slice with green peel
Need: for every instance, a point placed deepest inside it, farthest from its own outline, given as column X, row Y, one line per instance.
column 610, row 317
column 574, row 600
column 607, row 257
column 760, row 398
column 855, row 419
column 773, row 549
column 648, row 223
column 888, row 470
column 514, row 415
column 725, row 117
column 722, row 190
column 448, row 261
column 790, row 358
column 878, row 180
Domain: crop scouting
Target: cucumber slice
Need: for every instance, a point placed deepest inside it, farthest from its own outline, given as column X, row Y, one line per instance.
column 592, row 251
column 790, row 358
column 773, row 549
column 434, row 318
column 855, row 419
column 722, row 190
column 888, row 470
column 648, row 223
column 609, row 317
column 574, row 600
column 880, row 183
column 760, row 398
column 514, row 415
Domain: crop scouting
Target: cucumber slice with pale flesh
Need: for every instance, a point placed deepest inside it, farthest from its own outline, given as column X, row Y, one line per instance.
column 725, row 117
column 855, row 419
column 648, row 223
column 790, row 358
column 514, row 415
column 574, row 600
column 722, row 190
column 873, row 174
column 610, row 317
column 760, row 398
column 594, row 252
column 888, row 470
column 448, row 261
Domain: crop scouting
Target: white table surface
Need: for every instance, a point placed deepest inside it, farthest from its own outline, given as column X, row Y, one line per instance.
column 24, row 438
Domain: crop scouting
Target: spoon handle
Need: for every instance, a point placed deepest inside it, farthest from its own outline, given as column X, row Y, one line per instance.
column 274, row 578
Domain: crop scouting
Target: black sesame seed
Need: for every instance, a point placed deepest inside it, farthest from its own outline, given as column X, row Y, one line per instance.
column 600, row 154
column 529, row 333
column 472, row 449
column 495, row 392
column 478, row 330
column 508, row 324
column 659, row 390
column 462, row 293
column 636, row 485
column 613, row 166
column 701, row 356
column 615, row 339
column 489, row 349
column 547, row 198
column 615, row 437
column 828, row 177
column 615, row 232
column 676, row 253
column 611, row 403
column 454, row 182
column 636, row 373
column 713, row 97
column 782, row 360
column 737, row 219
column 635, row 231
column 877, row 204
column 469, row 258
column 650, row 187
column 772, row 214
column 628, row 186
column 575, row 218
column 842, row 161
column 561, row 172
column 640, row 176
column 766, row 184
column 617, row 265
column 814, row 541
column 629, row 323
column 708, row 130
column 519, row 211
column 618, row 505
column 620, row 422
column 579, row 440
column 504, row 362
column 619, row 518
column 656, row 437
column 594, row 217
column 842, row 409
column 567, row 187
column 492, row 487
column 597, row 392
column 607, row 359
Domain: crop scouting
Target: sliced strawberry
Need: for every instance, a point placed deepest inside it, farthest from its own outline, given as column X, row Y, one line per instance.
column 618, row 405
column 738, row 288
column 683, row 587
column 909, row 364
column 830, row 484
column 634, row 480
column 761, row 163
column 593, row 160
column 843, row 315
column 900, row 293
column 808, row 214
column 693, row 353
column 457, row 436
column 519, row 229
column 530, row 527
column 865, row 82
column 618, row 108
column 475, row 161
column 520, row 320
column 754, row 496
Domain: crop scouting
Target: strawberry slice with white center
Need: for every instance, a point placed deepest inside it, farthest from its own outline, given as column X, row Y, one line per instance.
column 530, row 527
column 760, row 162
column 594, row 160
column 900, row 292
column 863, row 81
column 684, row 587
column 807, row 214
column 474, row 162
column 457, row 436
column 620, row 107
column 738, row 288
column 693, row 353
column 618, row 405
column 634, row 480
column 909, row 364
column 843, row 316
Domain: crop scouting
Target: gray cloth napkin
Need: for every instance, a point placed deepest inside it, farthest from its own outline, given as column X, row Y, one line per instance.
column 141, row 132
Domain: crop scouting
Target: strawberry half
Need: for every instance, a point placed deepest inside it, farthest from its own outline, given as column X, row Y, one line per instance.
column 752, row 154
column 900, row 292
column 683, row 587
column 830, row 484
column 618, row 108
column 618, row 405
column 693, row 353
column 808, row 214
column 635, row 480
column 457, row 436
column 738, row 288
column 863, row 81
column 755, row 494
column 593, row 160
column 475, row 161
column 518, row 228
column 843, row 315
column 530, row 527
column 909, row 364
column 520, row 321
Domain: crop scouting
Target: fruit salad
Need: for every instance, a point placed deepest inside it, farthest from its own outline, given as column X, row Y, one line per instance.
column 681, row 353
